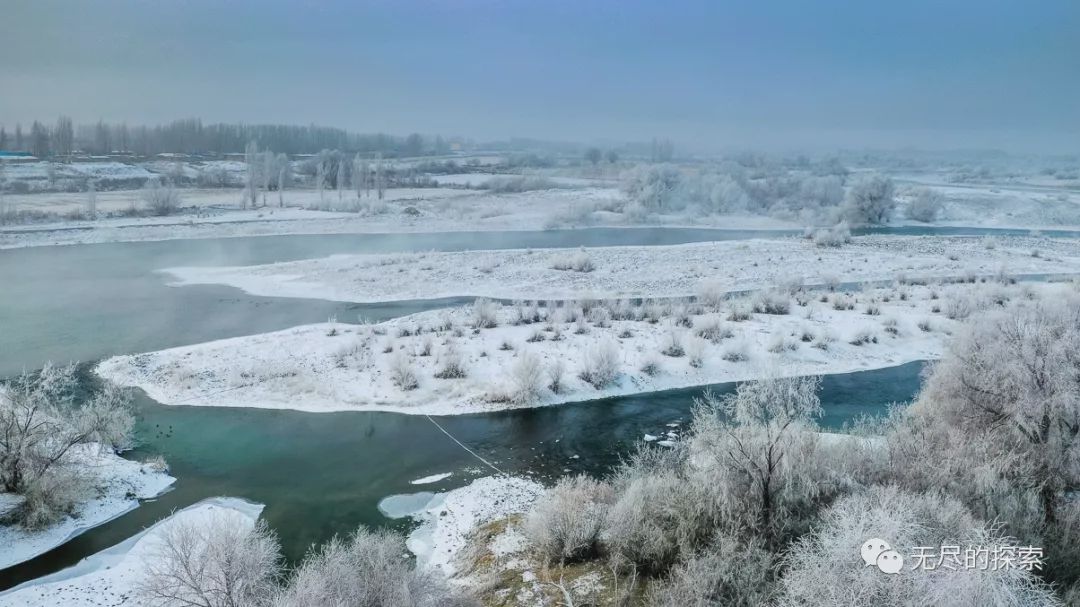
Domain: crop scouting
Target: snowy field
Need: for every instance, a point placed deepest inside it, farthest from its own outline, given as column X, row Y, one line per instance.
column 638, row 271
column 447, row 362
column 121, row 483
column 110, row 577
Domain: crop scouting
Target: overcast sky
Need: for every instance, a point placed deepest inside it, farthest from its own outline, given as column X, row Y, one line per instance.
column 783, row 73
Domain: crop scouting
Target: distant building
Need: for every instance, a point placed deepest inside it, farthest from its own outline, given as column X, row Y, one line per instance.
column 17, row 157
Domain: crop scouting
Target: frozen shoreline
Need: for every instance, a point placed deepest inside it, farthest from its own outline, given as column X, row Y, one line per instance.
column 109, row 577
column 635, row 271
column 118, row 478
column 336, row 367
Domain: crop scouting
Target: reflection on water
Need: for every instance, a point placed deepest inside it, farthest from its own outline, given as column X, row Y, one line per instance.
column 321, row 474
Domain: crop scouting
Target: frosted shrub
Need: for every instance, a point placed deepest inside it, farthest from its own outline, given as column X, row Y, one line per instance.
column 712, row 329
column 863, row 336
column 823, row 567
column 727, row 572
column 650, row 367
column 925, row 205
column 600, row 366
column 577, row 262
column 695, row 352
column 527, row 379
column 366, row 568
column 600, row 317
column 711, row 294
column 653, row 521
column 780, row 343
column 484, row 314
column 160, row 199
column 556, row 373
column 740, row 310
column 772, row 302
column 564, row 524
column 838, row 235
column 402, row 373
column 213, row 562
column 843, row 302
column 673, row 345
column 736, row 352
column 452, row 365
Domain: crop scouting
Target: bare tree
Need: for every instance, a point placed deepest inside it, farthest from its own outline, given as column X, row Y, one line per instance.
column 380, row 176
column 212, row 563
column 91, row 199
column 251, row 161
column 284, row 177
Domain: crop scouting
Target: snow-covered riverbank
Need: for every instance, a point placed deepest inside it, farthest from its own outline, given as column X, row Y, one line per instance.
column 454, row 361
column 110, row 577
column 118, row 484
column 638, row 271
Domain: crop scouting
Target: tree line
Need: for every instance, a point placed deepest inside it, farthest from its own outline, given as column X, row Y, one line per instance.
column 190, row 136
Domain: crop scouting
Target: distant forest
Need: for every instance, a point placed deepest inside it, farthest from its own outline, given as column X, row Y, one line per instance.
column 191, row 136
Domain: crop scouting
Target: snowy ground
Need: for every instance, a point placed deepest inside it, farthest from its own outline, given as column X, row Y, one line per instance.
column 637, row 271
column 335, row 367
column 109, row 578
column 120, row 484
column 448, row 518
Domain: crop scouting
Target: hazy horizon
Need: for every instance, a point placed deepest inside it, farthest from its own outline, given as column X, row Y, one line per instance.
column 710, row 76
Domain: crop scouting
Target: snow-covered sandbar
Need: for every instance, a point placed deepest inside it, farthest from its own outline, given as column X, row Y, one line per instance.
column 403, row 365
column 637, row 271
column 110, row 577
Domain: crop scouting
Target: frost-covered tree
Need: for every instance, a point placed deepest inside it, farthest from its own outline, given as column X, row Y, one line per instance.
column 43, row 423
column 612, row 156
column 655, row 188
column 593, row 156
column 1012, row 385
column 925, row 205
column 91, row 199
column 380, row 176
column 39, row 140
column 3, row 187
column 63, row 137
column 759, row 441
column 284, row 177
column 251, row 174
column 870, row 200
column 211, row 563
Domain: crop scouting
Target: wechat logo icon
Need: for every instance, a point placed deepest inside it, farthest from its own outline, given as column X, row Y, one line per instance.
column 879, row 553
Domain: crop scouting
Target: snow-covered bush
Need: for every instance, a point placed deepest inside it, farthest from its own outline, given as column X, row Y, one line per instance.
column 727, row 572
column 600, row 366
column 212, row 562
column 452, row 365
column 527, row 379
column 695, row 352
column 654, row 187
column 713, row 329
column 825, row 567
column 839, row 234
column 556, row 372
column 485, row 314
column 402, row 373
column 772, row 302
column 673, row 345
column 578, row 262
column 564, row 524
column 712, row 294
column 161, row 199
column 367, row 568
column 925, row 205
column 870, row 200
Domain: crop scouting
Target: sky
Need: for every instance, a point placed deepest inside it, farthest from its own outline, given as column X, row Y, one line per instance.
column 791, row 74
